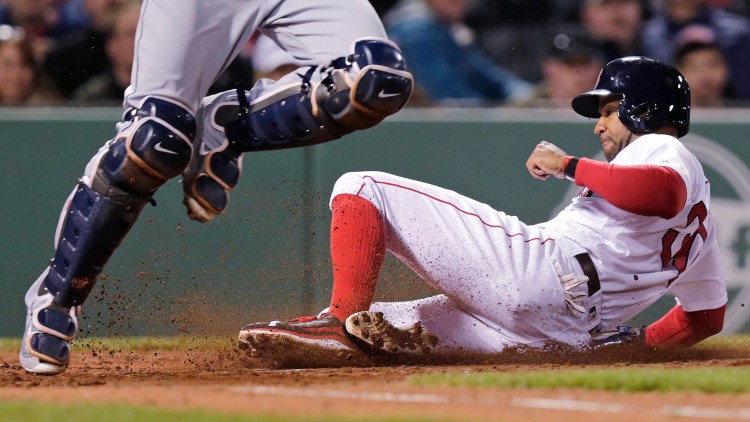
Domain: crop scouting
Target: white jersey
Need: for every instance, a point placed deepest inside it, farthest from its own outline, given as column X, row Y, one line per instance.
column 640, row 258
column 504, row 283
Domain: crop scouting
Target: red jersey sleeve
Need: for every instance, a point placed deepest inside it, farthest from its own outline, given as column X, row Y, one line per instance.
column 643, row 189
column 684, row 329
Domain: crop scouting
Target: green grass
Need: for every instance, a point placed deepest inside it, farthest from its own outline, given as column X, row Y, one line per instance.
column 642, row 379
column 9, row 344
column 221, row 343
column 157, row 343
column 635, row 378
column 140, row 343
column 31, row 411
column 706, row 380
column 739, row 341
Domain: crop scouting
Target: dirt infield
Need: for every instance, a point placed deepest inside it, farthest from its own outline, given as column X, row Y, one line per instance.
column 223, row 380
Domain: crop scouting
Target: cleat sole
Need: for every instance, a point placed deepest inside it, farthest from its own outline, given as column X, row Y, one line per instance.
column 372, row 329
column 284, row 350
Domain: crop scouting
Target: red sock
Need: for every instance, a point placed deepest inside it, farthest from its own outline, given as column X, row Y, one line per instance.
column 357, row 253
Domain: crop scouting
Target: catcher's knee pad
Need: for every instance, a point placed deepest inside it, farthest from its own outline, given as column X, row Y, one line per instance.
column 352, row 93
column 365, row 87
column 214, row 168
column 315, row 105
column 207, row 183
column 150, row 149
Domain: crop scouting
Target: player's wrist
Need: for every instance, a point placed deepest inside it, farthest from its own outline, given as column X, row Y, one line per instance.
column 569, row 167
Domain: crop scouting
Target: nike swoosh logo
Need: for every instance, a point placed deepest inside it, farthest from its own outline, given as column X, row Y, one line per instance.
column 160, row 148
column 382, row 94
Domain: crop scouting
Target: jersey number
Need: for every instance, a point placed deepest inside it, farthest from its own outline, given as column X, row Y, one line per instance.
column 680, row 259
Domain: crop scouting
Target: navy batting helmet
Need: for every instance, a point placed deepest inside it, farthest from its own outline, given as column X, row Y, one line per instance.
column 653, row 94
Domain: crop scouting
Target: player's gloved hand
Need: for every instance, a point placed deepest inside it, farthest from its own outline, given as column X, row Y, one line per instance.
column 621, row 335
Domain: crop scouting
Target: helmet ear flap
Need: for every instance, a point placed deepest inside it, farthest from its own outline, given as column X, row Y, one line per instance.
column 642, row 118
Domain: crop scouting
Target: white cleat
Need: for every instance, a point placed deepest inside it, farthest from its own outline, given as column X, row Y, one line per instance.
column 50, row 327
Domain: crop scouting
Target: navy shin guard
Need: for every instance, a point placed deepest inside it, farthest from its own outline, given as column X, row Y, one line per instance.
column 93, row 228
column 354, row 93
column 307, row 107
column 153, row 147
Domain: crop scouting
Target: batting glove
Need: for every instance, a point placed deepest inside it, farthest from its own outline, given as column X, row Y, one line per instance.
column 573, row 297
column 621, row 335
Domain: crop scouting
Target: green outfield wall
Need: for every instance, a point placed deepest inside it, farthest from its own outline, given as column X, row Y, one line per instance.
column 267, row 256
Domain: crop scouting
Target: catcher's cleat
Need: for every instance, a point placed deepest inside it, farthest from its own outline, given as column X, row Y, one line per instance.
column 307, row 342
column 380, row 335
column 50, row 327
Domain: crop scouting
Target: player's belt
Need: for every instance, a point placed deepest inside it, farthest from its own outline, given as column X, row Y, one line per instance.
column 589, row 270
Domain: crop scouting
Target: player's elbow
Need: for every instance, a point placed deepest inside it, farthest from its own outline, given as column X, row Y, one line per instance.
column 706, row 332
column 681, row 329
column 673, row 203
column 712, row 321
column 663, row 193
column 674, row 198
column 705, row 324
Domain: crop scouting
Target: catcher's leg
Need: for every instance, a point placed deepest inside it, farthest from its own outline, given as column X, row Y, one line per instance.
column 310, row 106
column 152, row 146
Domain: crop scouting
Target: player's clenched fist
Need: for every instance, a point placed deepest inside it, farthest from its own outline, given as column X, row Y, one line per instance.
column 546, row 159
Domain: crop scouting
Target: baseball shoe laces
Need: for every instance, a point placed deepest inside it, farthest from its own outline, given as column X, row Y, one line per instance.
column 372, row 329
column 306, row 342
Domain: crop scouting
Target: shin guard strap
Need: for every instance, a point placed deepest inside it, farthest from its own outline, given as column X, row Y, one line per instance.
column 287, row 122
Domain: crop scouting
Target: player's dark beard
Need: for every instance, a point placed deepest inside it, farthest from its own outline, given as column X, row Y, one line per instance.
column 613, row 153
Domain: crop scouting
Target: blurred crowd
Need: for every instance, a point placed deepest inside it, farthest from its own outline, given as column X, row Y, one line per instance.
column 75, row 52
column 462, row 52
column 544, row 52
